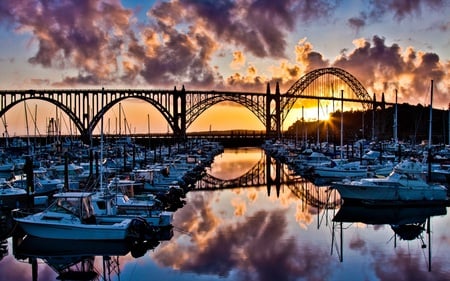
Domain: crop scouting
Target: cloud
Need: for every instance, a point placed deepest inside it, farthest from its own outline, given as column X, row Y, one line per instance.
column 247, row 249
column 100, row 42
column 357, row 23
column 238, row 60
column 401, row 9
column 413, row 268
column 382, row 68
column 259, row 26
column 86, row 35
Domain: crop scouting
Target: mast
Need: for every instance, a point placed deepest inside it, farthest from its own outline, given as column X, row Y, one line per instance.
column 101, row 151
column 430, row 130
column 431, row 117
column 395, row 119
column 318, row 123
column 6, row 134
column 28, row 130
column 342, row 124
column 120, row 117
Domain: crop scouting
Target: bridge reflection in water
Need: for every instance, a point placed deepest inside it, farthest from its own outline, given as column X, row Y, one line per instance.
column 272, row 173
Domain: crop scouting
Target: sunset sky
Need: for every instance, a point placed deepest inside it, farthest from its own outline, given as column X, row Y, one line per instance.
column 220, row 45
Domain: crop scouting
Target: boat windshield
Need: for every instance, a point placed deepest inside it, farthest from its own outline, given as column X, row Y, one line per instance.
column 80, row 207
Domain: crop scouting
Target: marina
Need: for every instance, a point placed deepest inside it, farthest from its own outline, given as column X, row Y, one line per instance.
column 224, row 140
column 301, row 219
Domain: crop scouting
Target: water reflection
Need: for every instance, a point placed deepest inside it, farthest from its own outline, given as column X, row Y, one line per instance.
column 75, row 259
column 407, row 223
column 252, row 219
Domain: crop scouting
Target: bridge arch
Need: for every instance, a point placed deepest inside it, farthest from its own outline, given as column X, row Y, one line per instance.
column 160, row 107
column 298, row 87
column 73, row 117
column 254, row 104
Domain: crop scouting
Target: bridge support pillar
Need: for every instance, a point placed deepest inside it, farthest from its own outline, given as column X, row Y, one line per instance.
column 273, row 118
column 179, row 113
column 268, row 116
column 278, row 110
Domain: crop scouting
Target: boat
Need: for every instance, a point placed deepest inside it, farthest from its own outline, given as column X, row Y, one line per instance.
column 338, row 170
column 11, row 197
column 307, row 162
column 407, row 222
column 405, row 185
column 44, row 185
column 6, row 167
column 71, row 216
column 392, row 215
column 113, row 207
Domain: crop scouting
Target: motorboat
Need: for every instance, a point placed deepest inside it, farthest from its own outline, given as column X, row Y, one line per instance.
column 71, row 216
column 392, row 215
column 11, row 197
column 114, row 207
column 307, row 162
column 405, row 184
column 43, row 183
column 340, row 170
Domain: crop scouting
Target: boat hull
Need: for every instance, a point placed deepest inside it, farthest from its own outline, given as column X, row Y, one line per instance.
column 335, row 173
column 390, row 195
column 115, row 231
column 14, row 201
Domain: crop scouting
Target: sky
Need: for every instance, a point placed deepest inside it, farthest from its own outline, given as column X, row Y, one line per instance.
column 220, row 45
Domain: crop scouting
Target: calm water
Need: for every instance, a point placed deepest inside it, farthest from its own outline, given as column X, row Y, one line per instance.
column 276, row 232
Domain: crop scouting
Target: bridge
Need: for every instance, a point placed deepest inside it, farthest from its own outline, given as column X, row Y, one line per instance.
column 181, row 107
column 271, row 173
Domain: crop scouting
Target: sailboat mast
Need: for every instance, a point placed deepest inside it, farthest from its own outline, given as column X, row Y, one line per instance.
column 28, row 130
column 101, row 150
column 430, row 127
column 6, row 134
column 395, row 119
column 342, row 124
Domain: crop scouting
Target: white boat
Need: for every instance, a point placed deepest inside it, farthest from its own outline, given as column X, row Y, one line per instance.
column 383, row 169
column 43, row 184
column 306, row 162
column 157, row 178
column 340, row 170
column 404, row 185
column 113, row 207
column 71, row 216
column 11, row 197
column 73, row 170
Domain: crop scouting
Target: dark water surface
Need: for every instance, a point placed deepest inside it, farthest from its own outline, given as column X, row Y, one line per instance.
column 281, row 231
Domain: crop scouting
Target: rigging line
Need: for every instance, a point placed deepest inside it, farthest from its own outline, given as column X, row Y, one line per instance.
column 127, row 125
column 33, row 119
column 5, row 125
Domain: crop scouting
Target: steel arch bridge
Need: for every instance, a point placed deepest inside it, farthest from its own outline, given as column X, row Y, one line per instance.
column 180, row 108
column 268, row 172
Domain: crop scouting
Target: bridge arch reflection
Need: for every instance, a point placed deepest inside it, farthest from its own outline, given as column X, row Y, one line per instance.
column 275, row 176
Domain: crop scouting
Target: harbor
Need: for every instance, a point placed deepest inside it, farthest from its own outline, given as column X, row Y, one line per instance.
column 253, row 193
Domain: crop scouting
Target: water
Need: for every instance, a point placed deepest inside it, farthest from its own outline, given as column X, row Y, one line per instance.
column 276, row 232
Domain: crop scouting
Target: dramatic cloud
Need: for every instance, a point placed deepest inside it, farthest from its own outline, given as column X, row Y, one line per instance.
column 87, row 35
column 259, row 26
column 247, row 249
column 381, row 68
column 100, row 42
